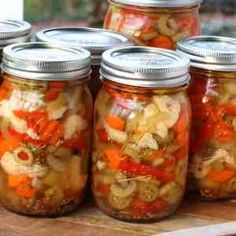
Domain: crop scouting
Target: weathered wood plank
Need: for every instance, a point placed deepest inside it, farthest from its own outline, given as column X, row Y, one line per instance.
column 193, row 218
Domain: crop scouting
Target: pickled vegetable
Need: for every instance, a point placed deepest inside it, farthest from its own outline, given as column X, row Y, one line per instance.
column 45, row 135
column 156, row 27
column 140, row 152
column 213, row 157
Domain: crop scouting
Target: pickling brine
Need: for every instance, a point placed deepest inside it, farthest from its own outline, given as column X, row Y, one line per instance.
column 44, row 135
column 154, row 23
column 140, row 149
column 212, row 168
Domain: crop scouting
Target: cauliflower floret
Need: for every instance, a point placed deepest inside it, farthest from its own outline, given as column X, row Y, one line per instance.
column 28, row 101
column 222, row 155
column 147, row 141
column 150, row 110
column 73, row 124
column 162, row 130
column 170, row 107
column 101, row 165
column 18, row 124
column 57, row 114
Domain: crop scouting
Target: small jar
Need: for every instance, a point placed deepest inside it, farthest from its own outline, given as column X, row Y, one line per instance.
column 141, row 134
column 155, row 23
column 212, row 172
column 94, row 40
column 46, row 110
column 13, row 31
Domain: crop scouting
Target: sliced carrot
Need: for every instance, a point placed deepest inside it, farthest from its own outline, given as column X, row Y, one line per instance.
column 162, row 42
column 31, row 116
column 114, row 158
column 8, row 145
column 115, row 122
column 222, row 176
column 5, row 90
column 15, row 181
column 25, row 191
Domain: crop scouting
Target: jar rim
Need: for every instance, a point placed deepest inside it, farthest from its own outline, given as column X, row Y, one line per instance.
column 12, row 31
column 145, row 67
column 42, row 61
column 160, row 3
column 94, row 40
column 210, row 52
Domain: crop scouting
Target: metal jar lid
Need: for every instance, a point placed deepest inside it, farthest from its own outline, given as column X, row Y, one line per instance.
column 210, row 52
column 42, row 61
column 94, row 40
column 160, row 3
column 13, row 31
column 145, row 67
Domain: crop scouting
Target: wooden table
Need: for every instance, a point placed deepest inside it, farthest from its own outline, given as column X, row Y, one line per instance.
column 192, row 219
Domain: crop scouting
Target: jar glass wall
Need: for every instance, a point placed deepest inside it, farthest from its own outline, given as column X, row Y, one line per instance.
column 212, row 172
column 139, row 163
column 141, row 134
column 45, row 129
column 155, row 26
column 212, row 167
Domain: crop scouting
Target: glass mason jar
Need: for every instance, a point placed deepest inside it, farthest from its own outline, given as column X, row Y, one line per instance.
column 45, row 128
column 155, row 23
column 141, row 133
column 212, row 173
column 13, row 31
column 94, row 40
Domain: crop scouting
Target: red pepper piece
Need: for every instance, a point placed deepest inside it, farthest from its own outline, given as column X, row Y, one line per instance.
column 27, row 139
column 230, row 109
column 139, row 170
column 102, row 135
column 76, row 143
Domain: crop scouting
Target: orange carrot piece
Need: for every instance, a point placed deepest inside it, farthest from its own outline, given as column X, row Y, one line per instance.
column 162, row 42
column 8, row 145
column 114, row 157
column 115, row 122
column 15, row 181
column 25, row 191
column 222, row 176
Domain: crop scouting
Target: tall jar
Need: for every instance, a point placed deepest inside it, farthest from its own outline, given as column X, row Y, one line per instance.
column 94, row 40
column 46, row 110
column 212, row 173
column 141, row 134
column 155, row 23
column 13, row 31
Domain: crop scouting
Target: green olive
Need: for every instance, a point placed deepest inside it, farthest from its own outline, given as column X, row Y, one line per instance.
column 123, row 190
column 118, row 202
column 148, row 192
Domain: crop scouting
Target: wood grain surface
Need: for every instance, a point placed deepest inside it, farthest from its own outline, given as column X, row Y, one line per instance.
column 192, row 219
